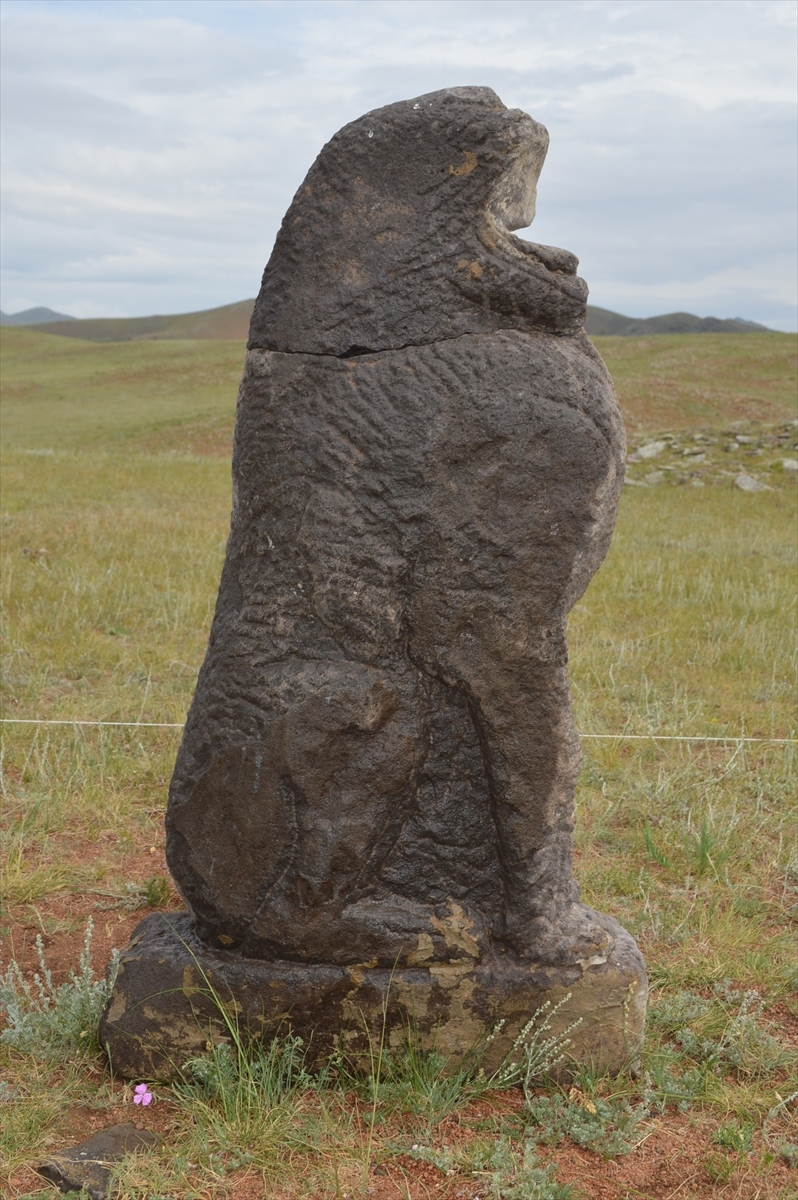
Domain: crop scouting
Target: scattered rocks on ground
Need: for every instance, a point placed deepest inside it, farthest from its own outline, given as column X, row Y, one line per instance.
column 746, row 483
column 707, row 457
column 651, row 450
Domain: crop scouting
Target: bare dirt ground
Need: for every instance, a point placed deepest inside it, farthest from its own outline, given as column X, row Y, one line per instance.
column 675, row 1160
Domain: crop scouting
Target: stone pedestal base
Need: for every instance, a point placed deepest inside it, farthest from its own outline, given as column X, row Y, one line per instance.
column 165, row 1007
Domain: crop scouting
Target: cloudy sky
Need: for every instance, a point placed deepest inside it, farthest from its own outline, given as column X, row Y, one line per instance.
column 150, row 149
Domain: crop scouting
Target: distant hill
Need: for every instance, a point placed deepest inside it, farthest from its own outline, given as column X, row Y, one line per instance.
column 603, row 323
column 33, row 316
column 231, row 322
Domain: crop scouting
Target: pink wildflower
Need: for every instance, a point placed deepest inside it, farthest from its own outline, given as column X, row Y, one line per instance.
column 142, row 1095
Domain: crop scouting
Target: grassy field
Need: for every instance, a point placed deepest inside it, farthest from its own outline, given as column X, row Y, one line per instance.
column 115, row 504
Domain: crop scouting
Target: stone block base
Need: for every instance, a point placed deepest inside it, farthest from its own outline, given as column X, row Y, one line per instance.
column 165, row 1007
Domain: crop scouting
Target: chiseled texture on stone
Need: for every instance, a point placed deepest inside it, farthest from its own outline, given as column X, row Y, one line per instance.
column 382, row 722
column 379, row 763
column 400, row 234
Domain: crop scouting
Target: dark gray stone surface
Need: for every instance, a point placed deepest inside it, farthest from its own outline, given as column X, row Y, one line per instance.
column 380, row 759
column 401, row 234
column 382, row 721
column 89, row 1165
column 175, row 996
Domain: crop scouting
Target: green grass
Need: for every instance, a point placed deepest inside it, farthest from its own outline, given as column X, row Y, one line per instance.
column 115, row 504
column 683, row 381
column 63, row 394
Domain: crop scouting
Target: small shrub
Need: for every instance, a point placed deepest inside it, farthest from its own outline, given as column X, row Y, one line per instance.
column 719, row 1168
column 610, row 1127
column 534, row 1055
column 56, row 1022
column 519, row 1176
column 506, row 1173
column 417, row 1080
column 789, row 1152
column 654, row 853
column 704, row 851
column 413, row 1078
column 270, row 1071
column 717, row 1039
column 778, row 1143
column 735, row 1137
column 243, row 1098
column 681, row 1089
column 156, row 892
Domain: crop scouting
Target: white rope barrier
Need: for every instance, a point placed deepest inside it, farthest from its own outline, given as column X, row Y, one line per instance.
column 613, row 737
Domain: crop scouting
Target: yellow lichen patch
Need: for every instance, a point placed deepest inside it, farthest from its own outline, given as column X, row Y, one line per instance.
column 455, row 929
column 189, row 987
column 423, row 952
column 462, row 1028
column 466, row 167
column 357, row 972
column 180, row 1034
column 473, row 269
column 117, row 1006
column 448, row 975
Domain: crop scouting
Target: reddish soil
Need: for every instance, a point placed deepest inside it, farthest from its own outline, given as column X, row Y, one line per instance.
column 114, row 920
column 676, row 1160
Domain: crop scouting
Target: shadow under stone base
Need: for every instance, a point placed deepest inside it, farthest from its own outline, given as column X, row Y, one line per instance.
column 165, row 1006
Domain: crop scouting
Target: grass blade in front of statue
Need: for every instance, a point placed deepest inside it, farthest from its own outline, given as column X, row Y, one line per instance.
column 243, row 1095
column 415, row 1076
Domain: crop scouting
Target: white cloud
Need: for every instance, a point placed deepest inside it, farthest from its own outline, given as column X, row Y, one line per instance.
column 150, row 149
column 769, row 285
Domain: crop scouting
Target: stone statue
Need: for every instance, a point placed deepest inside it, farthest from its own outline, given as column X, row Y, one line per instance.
column 373, row 799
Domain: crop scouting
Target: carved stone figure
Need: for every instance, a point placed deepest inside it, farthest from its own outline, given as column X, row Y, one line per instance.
column 373, row 799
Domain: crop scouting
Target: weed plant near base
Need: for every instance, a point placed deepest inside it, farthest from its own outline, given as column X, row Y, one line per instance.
column 115, row 510
column 536, row 1051
column 244, row 1102
column 48, row 1021
column 412, row 1080
column 502, row 1170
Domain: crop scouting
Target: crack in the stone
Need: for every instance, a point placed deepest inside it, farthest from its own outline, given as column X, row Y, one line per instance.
column 356, row 351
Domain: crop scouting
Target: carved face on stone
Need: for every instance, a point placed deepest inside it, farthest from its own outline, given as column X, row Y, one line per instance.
column 401, row 234
column 433, row 164
column 512, row 202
